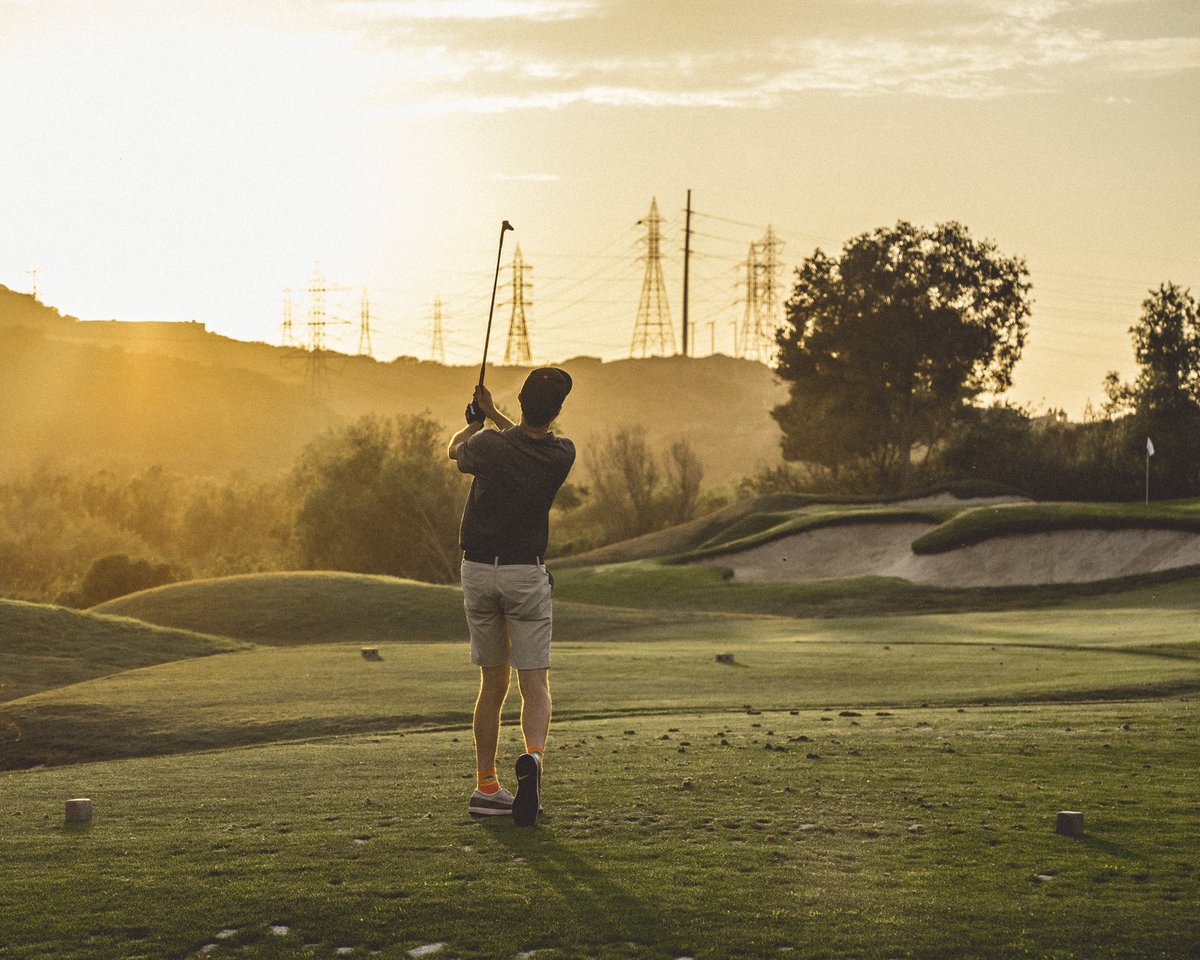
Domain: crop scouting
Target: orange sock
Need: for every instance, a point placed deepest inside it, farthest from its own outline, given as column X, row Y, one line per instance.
column 486, row 782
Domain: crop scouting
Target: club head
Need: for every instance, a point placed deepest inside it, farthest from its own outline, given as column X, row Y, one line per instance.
column 506, row 226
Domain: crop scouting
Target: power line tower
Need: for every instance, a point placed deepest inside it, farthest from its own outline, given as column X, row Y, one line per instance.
column 287, row 335
column 746, row 334
column 764, row 306
column 438, row 350
column 653, row 333
column 317, row 373
column 364, row 326
column 33, row 272
column 516, row 348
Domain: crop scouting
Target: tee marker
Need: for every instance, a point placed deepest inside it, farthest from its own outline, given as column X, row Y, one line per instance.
column 79, row 810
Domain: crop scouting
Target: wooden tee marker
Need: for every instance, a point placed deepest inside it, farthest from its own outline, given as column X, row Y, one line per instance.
column 371, row 653
column 79, row 810
column 1069, row 823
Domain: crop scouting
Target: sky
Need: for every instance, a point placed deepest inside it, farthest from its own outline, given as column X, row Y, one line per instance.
column 197, row 159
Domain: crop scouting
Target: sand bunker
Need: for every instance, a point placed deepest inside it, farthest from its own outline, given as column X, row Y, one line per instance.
column 885, row 549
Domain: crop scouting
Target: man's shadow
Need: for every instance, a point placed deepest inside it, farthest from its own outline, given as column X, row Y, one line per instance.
column 603, row 910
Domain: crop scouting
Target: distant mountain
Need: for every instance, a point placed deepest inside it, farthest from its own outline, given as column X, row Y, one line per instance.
column 132, row 394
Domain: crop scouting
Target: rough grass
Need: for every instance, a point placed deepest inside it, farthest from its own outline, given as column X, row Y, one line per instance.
column 978, row 524
column 913, row 832
column 42, row 646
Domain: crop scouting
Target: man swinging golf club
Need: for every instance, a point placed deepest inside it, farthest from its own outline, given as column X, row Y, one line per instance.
column 518, row 469
column 506, row 587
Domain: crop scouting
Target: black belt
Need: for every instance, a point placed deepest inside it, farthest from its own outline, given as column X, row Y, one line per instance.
column 503, row 561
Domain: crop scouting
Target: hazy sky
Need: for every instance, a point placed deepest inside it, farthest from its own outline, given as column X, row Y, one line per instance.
column 192, row 159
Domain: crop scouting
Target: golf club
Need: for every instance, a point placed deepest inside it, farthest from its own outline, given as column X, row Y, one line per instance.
column 487, row 339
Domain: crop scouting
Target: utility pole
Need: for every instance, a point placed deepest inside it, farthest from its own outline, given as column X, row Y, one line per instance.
column 438, row 351
column 516, row 348
column 364, row 327
column 653, row 332
column 687, row 251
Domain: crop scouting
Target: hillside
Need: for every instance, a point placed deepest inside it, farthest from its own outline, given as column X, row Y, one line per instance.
column 176, row 394
column 43, row 647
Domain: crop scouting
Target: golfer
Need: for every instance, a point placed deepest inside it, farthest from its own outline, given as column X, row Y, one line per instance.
column 506, row 587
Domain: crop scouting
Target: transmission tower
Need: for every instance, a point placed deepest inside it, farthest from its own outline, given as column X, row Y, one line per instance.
column 516, row 348
column 317, row 374
column 653, row 333
column 764, row 308
column 33, row 272
column 286, row 334
column 364, row 326
column 438, row 351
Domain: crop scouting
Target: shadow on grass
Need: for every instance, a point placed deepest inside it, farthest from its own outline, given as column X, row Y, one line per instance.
column 600, row 909
column 1107, row 847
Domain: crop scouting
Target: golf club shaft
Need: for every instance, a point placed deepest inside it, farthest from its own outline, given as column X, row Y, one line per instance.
column 505, row 226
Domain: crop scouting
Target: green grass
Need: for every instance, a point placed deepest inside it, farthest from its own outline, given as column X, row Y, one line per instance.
column 871, row 780
column 1009, row 519
column 663, row 587
column 919, row 834
column 42, row 646
column 286, row 609
column 278, row 693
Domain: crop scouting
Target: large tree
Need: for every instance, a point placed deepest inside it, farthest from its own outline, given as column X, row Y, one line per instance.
column 888, row 345
column 1163, row 402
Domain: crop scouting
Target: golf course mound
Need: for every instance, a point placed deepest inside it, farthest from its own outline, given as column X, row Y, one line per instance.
column 46, row 646
column 886, row 549
column 284, row 609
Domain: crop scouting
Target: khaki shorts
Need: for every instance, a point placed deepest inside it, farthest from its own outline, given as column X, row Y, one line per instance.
column 516, row 596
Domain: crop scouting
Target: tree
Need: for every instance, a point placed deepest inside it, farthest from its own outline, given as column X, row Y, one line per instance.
column 117, row 575
column 1163, row 402
column 633, row 491
column 886, row 347
column 380, row 496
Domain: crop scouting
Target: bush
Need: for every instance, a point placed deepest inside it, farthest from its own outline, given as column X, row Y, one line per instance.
column 117, row 575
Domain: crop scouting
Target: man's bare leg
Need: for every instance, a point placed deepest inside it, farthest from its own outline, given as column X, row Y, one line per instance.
column 535, row 707
column 493, row 690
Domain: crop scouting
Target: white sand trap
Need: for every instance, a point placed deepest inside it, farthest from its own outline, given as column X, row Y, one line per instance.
column 885, row 549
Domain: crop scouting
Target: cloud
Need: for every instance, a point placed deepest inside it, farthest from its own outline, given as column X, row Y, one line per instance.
column 538, row 10
column 979, row 50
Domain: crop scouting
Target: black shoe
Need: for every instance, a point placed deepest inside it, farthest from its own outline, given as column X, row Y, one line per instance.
column 528, row 801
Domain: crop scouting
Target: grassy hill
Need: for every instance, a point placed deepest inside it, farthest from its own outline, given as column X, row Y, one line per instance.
column 177, row 395
column 42, row 647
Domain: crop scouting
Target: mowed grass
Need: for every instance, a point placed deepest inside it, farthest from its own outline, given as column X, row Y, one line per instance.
column 651, row 585
column 275, row 693
column 285, row 609
column 44, row 646
column 910, row 832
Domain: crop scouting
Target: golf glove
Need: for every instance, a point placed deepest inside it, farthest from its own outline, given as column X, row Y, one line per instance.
column 473, row 413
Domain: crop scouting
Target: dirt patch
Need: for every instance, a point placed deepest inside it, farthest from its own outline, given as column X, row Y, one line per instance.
column 883, row 549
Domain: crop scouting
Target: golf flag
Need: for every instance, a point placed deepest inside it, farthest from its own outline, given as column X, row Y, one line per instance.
column 1149, row 447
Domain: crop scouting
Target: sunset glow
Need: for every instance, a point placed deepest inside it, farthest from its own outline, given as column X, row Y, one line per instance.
column 192, row 160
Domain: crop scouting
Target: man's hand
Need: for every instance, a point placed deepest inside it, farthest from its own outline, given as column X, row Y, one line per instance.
column 483, row 401
column 473, row 413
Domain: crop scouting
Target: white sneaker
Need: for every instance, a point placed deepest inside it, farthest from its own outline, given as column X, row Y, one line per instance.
column 498, row 804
